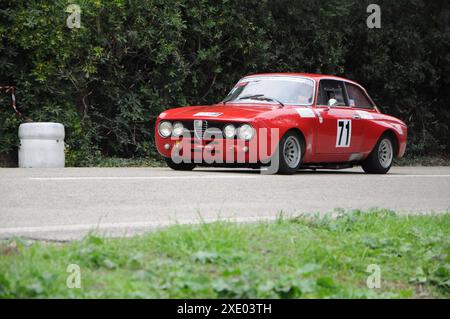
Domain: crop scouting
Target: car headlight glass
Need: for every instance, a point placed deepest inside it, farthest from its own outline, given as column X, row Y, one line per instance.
column 177, row 129
column 229, row 131
column 165, row 129
column 246, row 132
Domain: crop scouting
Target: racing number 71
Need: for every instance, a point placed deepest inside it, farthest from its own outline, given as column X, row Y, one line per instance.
column 344, row 133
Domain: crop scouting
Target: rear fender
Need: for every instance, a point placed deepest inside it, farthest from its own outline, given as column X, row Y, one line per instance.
column 375, row 130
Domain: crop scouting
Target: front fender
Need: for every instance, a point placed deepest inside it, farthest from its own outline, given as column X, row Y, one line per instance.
column 289, row 119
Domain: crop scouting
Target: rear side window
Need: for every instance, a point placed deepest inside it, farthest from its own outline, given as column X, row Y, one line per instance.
column 357, row 97
column 331, row 89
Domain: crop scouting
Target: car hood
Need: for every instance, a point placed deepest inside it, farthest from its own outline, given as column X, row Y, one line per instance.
column 219, row 112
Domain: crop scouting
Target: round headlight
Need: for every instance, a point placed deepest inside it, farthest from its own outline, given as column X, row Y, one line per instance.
column 165, row 129
column 177, row 129
column 246, row 132
column 229, row 131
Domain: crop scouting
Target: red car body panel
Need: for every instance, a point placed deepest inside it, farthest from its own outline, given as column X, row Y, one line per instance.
column 319, row 132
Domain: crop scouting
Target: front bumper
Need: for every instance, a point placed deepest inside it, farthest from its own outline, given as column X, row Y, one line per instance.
column 212, row 151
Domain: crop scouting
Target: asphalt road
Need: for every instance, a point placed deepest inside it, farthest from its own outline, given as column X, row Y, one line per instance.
column 68, row 203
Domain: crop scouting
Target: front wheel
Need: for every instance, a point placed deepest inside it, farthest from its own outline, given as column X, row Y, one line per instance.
column 179, row 166
column 381, row 158
column 289, row 153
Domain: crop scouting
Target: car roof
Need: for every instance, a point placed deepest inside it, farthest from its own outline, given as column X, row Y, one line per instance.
column 306, row 75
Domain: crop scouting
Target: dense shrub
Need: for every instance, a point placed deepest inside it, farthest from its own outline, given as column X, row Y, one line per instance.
column 130, row 60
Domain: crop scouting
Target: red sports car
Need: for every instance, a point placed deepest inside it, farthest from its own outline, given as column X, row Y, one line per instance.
column 286, row 122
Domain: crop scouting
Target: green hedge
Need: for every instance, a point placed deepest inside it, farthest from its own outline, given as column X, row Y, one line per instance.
column 108, row 80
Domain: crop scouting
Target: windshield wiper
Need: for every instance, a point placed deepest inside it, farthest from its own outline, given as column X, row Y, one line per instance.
column 250, row 96
column 226, row 100
column 261, row 97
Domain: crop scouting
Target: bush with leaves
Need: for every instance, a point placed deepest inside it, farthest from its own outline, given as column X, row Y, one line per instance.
column 108, row 80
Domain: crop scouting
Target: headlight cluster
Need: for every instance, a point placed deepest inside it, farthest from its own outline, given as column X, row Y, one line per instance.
column 229, row 131
column 178, row 129
column 166, row 129
column 244, row 132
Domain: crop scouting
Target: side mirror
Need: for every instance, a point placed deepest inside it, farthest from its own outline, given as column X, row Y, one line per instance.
column 332, row 103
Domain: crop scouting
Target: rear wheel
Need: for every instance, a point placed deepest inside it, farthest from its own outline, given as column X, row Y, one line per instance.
column 179, row 166
column 290, row 153
column 381, row 158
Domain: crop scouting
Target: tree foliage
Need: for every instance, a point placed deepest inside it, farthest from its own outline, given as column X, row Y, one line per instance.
column 108, row 80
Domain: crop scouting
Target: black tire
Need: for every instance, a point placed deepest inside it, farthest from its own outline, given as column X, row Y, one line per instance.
column 179, row 166
column 378, row 161
column 289, row 164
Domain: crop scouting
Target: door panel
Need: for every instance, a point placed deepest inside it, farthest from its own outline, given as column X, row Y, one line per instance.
column 340, row 130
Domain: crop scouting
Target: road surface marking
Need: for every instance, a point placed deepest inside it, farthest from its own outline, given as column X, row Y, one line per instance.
column 416, row 175
column 125, row 225
column 94, row 178
column 87, row 178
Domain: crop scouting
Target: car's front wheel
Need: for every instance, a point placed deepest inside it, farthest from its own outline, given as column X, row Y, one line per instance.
column 179, row 166
column 289, row 153
column 381, row 158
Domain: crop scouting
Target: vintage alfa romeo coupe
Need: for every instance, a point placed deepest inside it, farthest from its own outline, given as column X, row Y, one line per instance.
column 286, row 121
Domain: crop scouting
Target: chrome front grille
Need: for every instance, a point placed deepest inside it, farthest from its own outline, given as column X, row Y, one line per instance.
column 200, row 126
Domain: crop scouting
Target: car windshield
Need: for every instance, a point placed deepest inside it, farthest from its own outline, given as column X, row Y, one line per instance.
column 281, row 90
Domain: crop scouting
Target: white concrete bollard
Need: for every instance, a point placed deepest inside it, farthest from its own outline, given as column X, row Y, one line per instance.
column 41, row 145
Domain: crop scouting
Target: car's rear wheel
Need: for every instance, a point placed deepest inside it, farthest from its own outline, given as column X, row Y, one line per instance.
column 289, row 153
column 381, row 158
column 179, row 166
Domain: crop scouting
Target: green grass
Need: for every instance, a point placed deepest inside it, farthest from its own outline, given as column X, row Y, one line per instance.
column 305, row 257
column 130, row 162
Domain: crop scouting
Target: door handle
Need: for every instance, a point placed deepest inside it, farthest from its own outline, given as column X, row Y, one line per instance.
column 356, row 117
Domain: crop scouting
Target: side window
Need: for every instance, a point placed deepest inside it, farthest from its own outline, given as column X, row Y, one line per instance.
column 331, row 89
column 357, row 97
